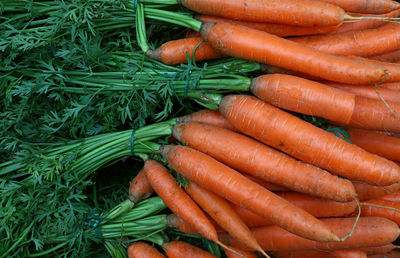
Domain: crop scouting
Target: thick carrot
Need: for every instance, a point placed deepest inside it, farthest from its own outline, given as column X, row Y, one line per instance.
column 245, row 254
column 365, row 6
column 270, row 186
column 358, row 43
column 370, row 231
column 280, row 30
column 231, row 185
column 395, row 197
column 306, row 142
column 379, row 249
column 249, row 156
column 373, row 211
column 140, row 187
column 368, row 91
column 304, row 96
column 220, row 210
column 174, row 221
column 393, row 254
column 207, row 116
column 368, row 192
column 385, row 146
column 292, row 12
column 346, row 253
column 376, row 115
column 176, row 51
column 391, row 86
column 246, row 43
column 143, row 250
column 250, row 218
column 180, row 249
column 391, row 56
column 177, row 200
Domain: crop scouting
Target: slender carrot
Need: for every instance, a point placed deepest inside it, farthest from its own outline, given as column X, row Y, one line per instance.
column 379, row 249
column 368, row 91
column 385, row 146
column 249, row 156
column 304, row 96
column 140, row 187
column 358, row 43
column 244, row 254
column 207, row 116
column 391, row 56
column 179, row 249
column 373, row 211
column 394, row 197
column 233, row 186
column 306, row 142
column 220, row 210
column 271, row 69
column 368, row 192
column 143, row 250
column 263, row 47
column 376, row 115
column 391, row 86
column 365, row 6
column 292, row 12
column 250, row 218
column 270, row 186
column 281, row 30
column 174, row 221
column 370, row 231
column 177, row 51
column 346, row 253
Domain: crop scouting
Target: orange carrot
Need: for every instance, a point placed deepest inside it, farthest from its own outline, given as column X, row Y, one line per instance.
column 246, row 43
column 376, row 115
column 176, row 51
column 373, row 211
column 280, row 30
column 385, row 146
column 368, row 91
column 346, row 253
column 370, row 231
column 192, row 34
column 231, row 185
column 179, row 249
column 177, row 200
column 358, row 43
column 393, row 254
column 207, row 116
column 249, row 156
column 292, row 12
column 306, row 142
column 174, row 221
column 379, row 249
column 250, row 218
column 143, row 250
column 368, row 192
column 245, row 254
column 391, row 86
column 220, row 210
column 140, row 187
column 304, row 96
column 395, row 197
column 391, row 56
column 365, row 6
column 270, row 186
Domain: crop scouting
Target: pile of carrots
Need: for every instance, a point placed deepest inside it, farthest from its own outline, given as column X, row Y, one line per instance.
column 261, row 179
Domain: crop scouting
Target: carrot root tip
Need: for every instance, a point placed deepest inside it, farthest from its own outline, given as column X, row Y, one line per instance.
column 205, row 29
column 177, row 131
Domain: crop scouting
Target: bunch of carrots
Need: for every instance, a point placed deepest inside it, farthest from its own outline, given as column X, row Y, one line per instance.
column 260, row 179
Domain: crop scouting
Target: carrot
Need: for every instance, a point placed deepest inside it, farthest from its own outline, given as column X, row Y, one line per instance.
column 393, row 254
column 368, row 192
column 270, row 186
column 373, row 211
column 348, row 253
column 177, row 200
column 220, row 210
column 391, row 86
column 368, row 91
column 385, row 146
column 246, row 43
column 306, row 142
column 365, row 6
column 180, row 249
column 140, row 187
column 233, row 186
column 280, row 30
column 249, row 156
column 192, row 34
column 304, row 96
column 176, row 51
column 174, row 221
column 379, row 249
column 250, row 218
column 358, row 43
column 245, row 254
column 207, row 116
column 391, row 56
column 395, row 197
column 376, row 115
column 143, row 250
column 370, row 231
column 292, row 12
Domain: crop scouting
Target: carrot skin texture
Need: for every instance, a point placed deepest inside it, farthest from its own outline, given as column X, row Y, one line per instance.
column 374, row 142
column 220, row 210
column 379, row 249
column 140, row 187
column 236, row 188
column 143, row 250
column 306, row 142
column 177, row 200
column 370, row 231
column 206, row 116
column 365, row 6
column 293, row 12
column 347, row 253
column 395, row 197
column 247, row 43
column 270, row 186
column 174, row 221
column 281, row 30
column 368, row 192
column 370, row 211
column 391, row 56
column 246, row 254
column 249, row 156
column 304, row 96
column 179, row 249
column 358, row 43
column 393, row 254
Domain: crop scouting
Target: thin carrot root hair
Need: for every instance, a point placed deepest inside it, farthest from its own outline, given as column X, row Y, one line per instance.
column 231, row 249
column 362, row 18
column 384, row 101
column 355, row 223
